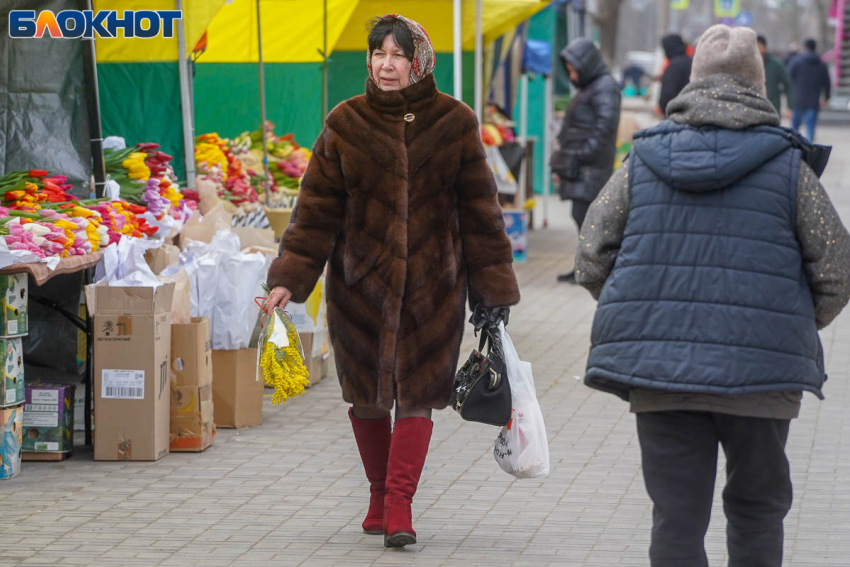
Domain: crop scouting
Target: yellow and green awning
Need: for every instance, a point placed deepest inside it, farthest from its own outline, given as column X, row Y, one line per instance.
column 293, row 30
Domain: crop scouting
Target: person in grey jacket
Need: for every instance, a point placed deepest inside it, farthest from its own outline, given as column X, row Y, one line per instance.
column 588, row 139
column 716, row 256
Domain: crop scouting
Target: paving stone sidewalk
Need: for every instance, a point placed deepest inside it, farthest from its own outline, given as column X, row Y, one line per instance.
column 293, row 492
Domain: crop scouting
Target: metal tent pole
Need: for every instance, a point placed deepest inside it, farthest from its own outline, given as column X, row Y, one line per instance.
column 458, row 50
column 479, row 63
column 263, row 105
column 186, row 101
column 325, row 65
column 547, row 146
column 99, row 173
column 523, row 138
column 93, row 104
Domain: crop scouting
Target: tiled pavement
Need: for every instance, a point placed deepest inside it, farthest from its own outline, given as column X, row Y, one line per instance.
column 292, row 492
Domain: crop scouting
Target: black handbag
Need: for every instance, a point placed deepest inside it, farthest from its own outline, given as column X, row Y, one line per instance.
column 565, row 165
column 481, row 390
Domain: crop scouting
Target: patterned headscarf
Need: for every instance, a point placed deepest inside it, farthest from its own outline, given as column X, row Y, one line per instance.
column 424, row 58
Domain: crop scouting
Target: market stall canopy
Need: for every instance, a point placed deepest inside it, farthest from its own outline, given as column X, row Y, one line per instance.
column 293, row 31
column 197, row 15
column 497, row 18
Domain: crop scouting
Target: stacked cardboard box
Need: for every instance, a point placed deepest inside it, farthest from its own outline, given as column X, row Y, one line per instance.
column 237, row 388
column 132, row 353
column 192, row 426
column 12, row 389
column 310, row 319
column 10, row 443
column 14, row 324
column 48, row 422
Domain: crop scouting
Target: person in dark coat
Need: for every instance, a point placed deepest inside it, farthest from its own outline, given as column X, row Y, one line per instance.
column 811, row 87
column 588, row 138
column 715, row 255
column 399, row 200
column 776, row 78
column 678, row 72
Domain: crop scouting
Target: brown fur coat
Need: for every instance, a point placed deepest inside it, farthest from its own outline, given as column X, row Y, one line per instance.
column 407, row 214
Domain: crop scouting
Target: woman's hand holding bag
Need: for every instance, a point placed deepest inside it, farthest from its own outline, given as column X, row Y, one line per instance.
column 278, row 297
column 481, row 392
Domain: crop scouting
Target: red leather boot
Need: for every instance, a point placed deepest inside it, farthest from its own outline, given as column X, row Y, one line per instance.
column 373, row 438
column 407, row 458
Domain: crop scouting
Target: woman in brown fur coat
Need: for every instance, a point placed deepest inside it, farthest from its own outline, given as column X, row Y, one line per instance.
column 399, row 199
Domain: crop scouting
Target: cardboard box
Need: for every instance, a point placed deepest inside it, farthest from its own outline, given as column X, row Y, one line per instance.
column 315, row 359
column 237, row 388
column 12, row 391
column 160, row 258
column 192, row 426
column 14, row 321
column 516, row 226
column 309, row 317
column 80, row 409
column 132, row 353
column 191, row 353
column 49, row 418
column 10, row 442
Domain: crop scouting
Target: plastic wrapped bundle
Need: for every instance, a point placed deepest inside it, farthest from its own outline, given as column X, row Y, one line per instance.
column 281, row 357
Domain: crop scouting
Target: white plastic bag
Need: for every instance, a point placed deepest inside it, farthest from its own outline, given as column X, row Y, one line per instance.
column 522, row 448
column 505, row 182
column 124, row 265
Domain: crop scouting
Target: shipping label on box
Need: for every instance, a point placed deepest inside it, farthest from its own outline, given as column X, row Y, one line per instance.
column 132, row 352
column 48, row 418
column 10, row 444
column 15, row 320
column 12, row 390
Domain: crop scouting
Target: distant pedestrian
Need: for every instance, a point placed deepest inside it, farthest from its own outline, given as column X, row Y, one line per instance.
column 811, row 88
column 678, row 72
column 716, row 256
column 588, row 138
column 793, row 51
column 776, row 78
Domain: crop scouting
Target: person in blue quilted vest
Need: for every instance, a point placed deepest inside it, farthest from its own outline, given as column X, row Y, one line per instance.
column 716, row 256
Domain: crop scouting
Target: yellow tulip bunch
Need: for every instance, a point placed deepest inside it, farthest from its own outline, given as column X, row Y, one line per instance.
column 209, row 149
column 172, row 194
column 135, row 166
column 283, row 367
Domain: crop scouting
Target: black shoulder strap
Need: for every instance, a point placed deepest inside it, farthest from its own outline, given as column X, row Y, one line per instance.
column 815, row 155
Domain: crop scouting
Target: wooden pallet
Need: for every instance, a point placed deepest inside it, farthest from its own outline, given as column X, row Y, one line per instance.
column 44, row 456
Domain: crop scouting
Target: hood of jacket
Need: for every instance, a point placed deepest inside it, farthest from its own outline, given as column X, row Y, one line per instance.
column 674, row 46
column 587, row 61
column 720, row 130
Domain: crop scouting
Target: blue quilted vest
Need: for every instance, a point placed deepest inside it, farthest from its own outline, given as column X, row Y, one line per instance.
column 708, row 293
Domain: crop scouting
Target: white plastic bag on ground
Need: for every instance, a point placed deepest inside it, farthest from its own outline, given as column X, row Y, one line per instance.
column 522, row 448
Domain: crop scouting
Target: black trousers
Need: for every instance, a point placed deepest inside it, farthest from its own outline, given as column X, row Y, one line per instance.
column 679, row 454
column 580, row 211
